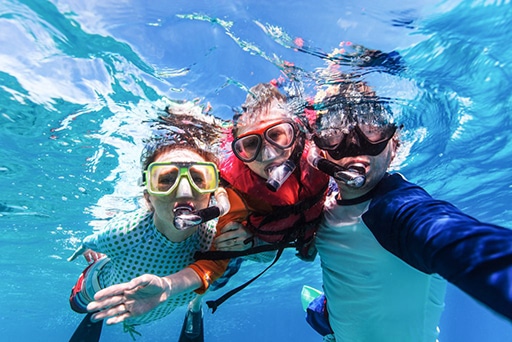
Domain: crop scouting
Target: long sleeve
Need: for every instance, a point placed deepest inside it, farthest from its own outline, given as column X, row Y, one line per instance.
column 436, row 237
column 208, row 271
column 211, row 270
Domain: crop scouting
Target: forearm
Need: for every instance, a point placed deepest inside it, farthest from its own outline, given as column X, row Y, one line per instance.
column 183, row 281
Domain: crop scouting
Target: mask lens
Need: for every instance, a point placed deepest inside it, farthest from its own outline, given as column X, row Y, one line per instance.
column 162, row 178
column 328, row 139
column 281, row 135
column 376, row 134
column 247, row 148
column 203, row 176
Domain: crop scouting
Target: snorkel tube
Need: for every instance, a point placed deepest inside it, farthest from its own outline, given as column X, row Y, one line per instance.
column 184, row 219
column 353, row 176
column 279, row 174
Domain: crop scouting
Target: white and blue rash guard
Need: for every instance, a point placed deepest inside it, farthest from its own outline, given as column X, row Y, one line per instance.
column 435, row 237
column 381, row 260
column 371, row 294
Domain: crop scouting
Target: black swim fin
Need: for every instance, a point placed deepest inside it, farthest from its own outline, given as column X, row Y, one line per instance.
column 195, row 331
column 87, row 331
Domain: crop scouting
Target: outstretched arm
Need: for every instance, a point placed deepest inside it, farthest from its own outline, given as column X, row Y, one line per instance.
column 436, row 237
column 119, row 302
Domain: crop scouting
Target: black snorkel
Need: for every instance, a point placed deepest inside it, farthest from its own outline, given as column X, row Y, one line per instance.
column 184, row 218
column 353, row 176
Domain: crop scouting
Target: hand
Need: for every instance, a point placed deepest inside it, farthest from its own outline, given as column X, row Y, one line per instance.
column 89, row 255
column 119, row 302
column 92, row 256
column 234, row 237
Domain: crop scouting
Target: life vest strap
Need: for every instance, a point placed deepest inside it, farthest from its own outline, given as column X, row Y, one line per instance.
column 222, row 255
column 214, row 304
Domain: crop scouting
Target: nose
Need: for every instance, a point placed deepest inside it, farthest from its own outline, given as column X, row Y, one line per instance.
column 184, row 189
column 352, row 139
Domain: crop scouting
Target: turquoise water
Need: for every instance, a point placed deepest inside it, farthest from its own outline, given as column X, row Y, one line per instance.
column 77, row 78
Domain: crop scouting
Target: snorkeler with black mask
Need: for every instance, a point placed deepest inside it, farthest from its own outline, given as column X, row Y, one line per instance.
column 390, row 233
column 366, row 132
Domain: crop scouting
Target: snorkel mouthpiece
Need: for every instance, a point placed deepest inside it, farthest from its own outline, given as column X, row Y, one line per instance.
column 185, row 218
column 353, row 176
column 279, row 174
column 183, row 221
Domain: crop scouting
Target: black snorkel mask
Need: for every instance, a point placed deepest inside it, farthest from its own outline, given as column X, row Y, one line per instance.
column 358, row 140
column 352, row 124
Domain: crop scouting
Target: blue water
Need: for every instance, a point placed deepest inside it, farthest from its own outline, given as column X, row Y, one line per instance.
column 78, row 77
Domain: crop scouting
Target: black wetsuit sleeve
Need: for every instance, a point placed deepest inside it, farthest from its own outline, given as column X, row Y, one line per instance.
column 436, row 237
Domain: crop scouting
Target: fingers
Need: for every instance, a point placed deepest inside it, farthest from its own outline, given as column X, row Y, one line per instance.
column 235, row 244
column 231, row 226
column 113, row 315
column 92, row 256
column 105, row 303
column 232, row 231
column 117, row 319
column 111, row 292
column 234, row 237
column 121, row 289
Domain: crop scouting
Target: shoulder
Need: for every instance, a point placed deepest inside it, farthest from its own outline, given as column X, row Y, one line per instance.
column 393, row 184
column 128, row 221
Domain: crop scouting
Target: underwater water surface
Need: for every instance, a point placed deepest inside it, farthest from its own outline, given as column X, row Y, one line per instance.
column 78, row 77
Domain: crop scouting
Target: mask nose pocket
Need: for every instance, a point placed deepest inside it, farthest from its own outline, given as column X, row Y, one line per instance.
column 184, row 189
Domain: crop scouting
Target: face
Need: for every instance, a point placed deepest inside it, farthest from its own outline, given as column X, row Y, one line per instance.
column 375, row 168
column 184, row 195
column 270, row 155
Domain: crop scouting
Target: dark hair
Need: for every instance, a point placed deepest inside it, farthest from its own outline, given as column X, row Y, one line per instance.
column 346, row 102
column 260, row 97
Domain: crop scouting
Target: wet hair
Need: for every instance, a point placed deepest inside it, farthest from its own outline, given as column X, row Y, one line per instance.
column 183, row 125
column 166, row 147
column 348, row 102
column 259, row 98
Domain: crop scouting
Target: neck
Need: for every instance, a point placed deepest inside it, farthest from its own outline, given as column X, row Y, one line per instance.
column 348, row 193
column 170, row 232
column 349, row 196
